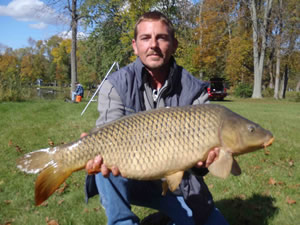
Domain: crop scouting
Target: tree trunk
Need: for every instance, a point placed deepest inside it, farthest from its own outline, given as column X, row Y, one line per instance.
column 298, row 86
column 74, row 46
column 201, row 33
column 277, row 77
column 284, row 81
column 278, row 48
column 259, row 52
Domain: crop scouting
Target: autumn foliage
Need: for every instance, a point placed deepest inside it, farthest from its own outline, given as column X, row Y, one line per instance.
column 215, row 40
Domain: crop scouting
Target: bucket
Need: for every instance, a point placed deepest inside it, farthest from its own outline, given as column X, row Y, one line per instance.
column 78, row 98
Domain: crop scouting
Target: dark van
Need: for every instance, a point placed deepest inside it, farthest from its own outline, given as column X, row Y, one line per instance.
column 216, row 89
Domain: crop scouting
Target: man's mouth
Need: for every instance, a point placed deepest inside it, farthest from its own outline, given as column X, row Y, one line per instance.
column 154, row 54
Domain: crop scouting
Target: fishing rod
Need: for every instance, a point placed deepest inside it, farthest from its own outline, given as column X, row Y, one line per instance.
column 99, row 87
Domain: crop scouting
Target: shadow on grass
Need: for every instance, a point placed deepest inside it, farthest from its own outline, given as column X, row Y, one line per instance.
column 255, row 210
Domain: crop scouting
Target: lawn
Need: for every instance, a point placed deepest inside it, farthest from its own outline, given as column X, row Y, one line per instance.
column 267, row 192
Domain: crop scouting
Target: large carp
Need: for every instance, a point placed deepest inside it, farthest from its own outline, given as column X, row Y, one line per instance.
column 149, row 145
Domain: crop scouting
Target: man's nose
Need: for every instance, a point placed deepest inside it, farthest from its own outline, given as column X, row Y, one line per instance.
column 153, row 43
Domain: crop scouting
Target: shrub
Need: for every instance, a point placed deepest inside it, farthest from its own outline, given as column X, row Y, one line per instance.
column 243, row 90
column 268, row 92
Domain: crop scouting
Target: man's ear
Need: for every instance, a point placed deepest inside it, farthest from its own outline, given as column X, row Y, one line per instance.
column 134, row 47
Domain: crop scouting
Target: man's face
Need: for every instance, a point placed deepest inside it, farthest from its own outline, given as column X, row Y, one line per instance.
column 154, row 44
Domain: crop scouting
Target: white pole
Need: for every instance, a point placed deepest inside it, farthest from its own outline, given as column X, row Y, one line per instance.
column 100, row 86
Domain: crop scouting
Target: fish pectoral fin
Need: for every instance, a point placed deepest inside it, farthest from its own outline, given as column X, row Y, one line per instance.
column 221, row 167
column 172, row 182
column 235, row 169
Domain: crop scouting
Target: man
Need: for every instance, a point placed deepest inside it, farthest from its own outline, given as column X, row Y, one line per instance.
column 154, row 80
column 78, row 92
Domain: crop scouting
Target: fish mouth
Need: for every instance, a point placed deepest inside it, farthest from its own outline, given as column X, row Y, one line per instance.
column 268, row 143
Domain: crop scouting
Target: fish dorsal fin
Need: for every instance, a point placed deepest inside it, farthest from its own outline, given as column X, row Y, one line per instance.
column 172, row 182
column 221, row 167
column 235, row 169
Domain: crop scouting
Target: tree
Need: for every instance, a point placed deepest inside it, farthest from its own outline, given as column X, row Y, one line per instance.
column 259, row 35
column 10, row 82
column 210, row 56
column 239, row 60
column 61, row 57
column 73, row 9
column 287, row 27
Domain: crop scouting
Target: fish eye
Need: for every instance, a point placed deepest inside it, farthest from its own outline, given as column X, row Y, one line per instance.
column 251, row 128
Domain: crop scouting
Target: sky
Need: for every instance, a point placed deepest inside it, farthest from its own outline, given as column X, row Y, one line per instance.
column 24, row 19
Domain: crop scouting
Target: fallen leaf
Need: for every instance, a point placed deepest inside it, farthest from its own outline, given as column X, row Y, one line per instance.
column 86, row 210
column 51, row 222
column 9, row 222
column 210, row 186
column 96, row 209
column 44, row 204
column 10, row 143
column 267, row 152
column 294, row 186
column 62, row 189
column 242, row 196
column 50, row 142
column 280, row 183
column 272, row 181
column 7, row 202
column 291, row 163
column 18, row 148
column 290, row 201
column 60, row 202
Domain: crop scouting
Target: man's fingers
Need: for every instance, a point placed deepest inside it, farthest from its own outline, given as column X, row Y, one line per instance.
column 104, row 170
column 200, row 164
column 96, row 165
column 115, row 171
column 93, row 166
column 83, row 135
column 210, row 158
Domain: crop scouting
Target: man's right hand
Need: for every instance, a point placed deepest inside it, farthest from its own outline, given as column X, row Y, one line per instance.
column 96, row 165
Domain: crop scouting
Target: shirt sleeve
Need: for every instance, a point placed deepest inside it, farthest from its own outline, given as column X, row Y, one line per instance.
column 110, row 105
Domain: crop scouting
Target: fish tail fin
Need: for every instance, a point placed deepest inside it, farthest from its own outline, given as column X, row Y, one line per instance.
column 35, row 162
column 52, row 171
column 49, row 180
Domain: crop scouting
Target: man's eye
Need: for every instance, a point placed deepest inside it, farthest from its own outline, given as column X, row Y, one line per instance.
column 144, row 38
column 163, row 37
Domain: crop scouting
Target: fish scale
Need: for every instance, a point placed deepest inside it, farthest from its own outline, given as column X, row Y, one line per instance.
column 155, row 144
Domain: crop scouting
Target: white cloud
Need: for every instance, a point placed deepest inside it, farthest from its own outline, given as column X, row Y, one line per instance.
column 38, row 26
column 31, row 10
column 68, row 35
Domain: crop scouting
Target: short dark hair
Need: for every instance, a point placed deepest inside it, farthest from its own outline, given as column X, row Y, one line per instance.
column 155, row 15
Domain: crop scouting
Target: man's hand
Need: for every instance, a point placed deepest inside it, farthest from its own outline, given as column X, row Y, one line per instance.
column 212, row 156
column 96, row 165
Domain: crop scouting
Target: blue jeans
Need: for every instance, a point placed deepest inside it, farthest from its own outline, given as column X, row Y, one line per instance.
column 118, row 193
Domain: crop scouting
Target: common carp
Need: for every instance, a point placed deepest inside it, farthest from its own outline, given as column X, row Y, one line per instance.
column 154, row 144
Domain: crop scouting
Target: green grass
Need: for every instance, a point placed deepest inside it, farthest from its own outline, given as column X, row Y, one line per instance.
column 258, row 196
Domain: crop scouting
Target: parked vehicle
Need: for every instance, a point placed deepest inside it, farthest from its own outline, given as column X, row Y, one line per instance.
column 216, row 89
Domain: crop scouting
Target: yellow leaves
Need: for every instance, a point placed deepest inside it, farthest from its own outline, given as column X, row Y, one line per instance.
column 8, row 63
column 59, row 52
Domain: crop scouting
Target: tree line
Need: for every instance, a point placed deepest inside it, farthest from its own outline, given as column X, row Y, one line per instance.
column 252, row 42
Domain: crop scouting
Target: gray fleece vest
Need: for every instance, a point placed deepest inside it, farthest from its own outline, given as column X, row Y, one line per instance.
column 182, row 87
